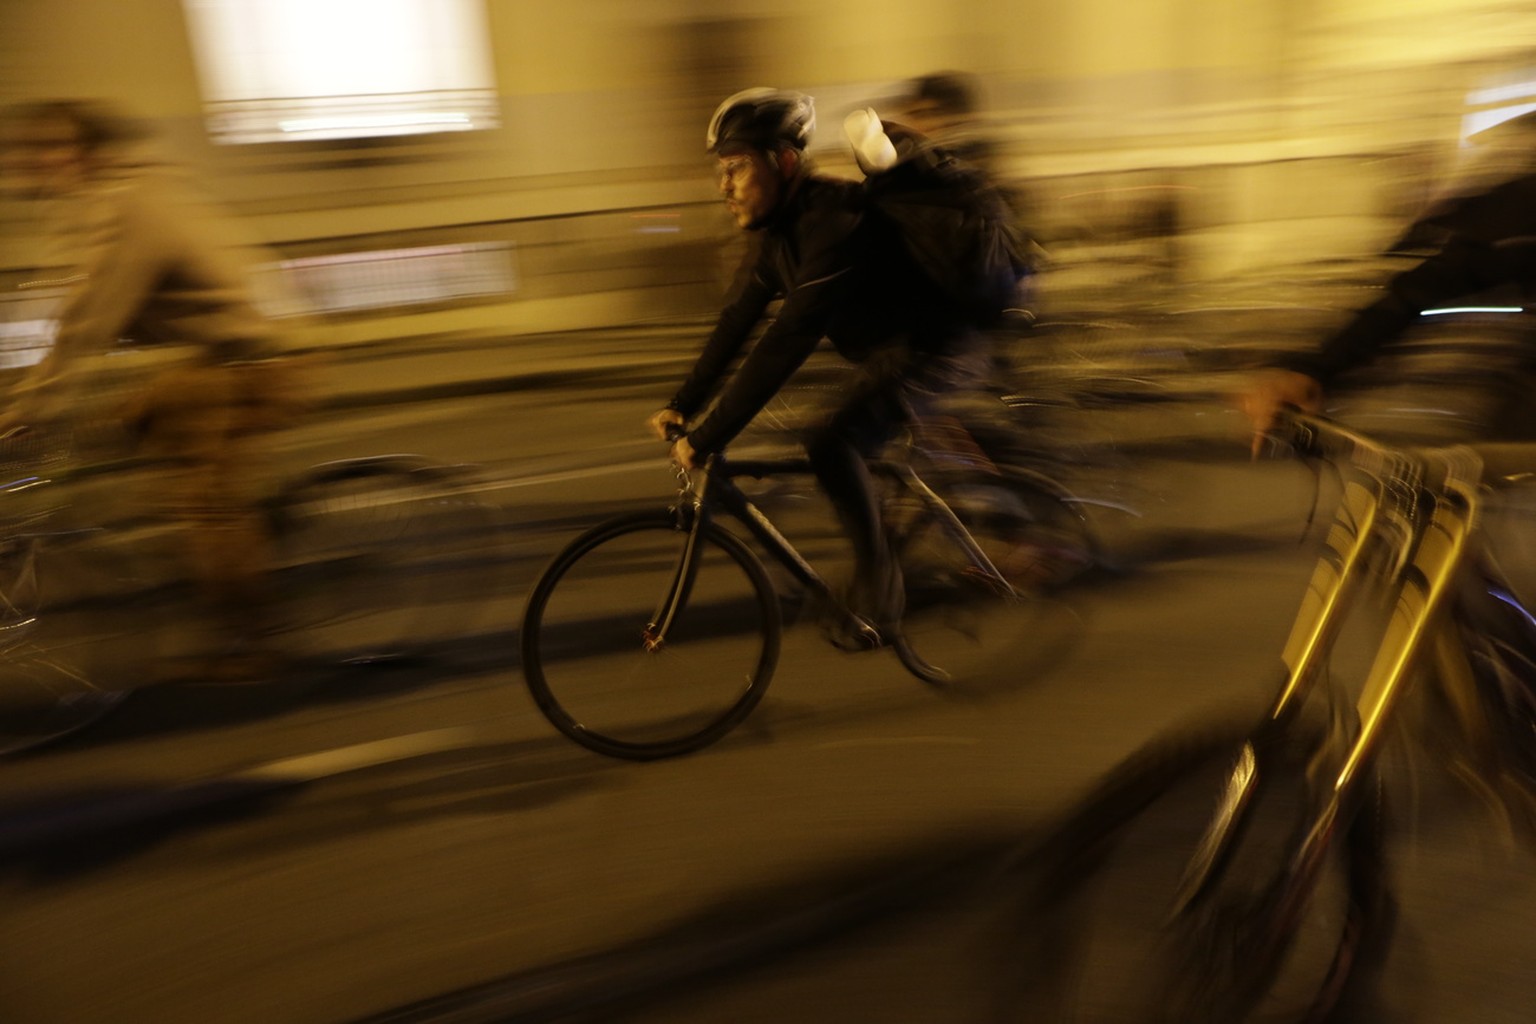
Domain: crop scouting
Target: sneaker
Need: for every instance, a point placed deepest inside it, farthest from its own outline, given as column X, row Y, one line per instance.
column 863, row 621
column 851, row 633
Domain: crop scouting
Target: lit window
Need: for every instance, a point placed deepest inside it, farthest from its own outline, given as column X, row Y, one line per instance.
column 389, row 278
column 1492, row 106
column 277, row 70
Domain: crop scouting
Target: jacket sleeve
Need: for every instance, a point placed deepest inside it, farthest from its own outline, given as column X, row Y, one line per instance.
column 1462, row 267
column 821, row 281
column 1484, row 240
column 117, row 270
column 750, row 297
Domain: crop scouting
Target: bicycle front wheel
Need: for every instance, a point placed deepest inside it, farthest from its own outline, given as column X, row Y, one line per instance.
column 590, row 658
column 1149, row 921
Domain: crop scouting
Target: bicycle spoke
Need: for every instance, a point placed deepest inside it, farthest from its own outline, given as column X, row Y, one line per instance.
column 990, row 622
column 606, row 678
column 378, row 560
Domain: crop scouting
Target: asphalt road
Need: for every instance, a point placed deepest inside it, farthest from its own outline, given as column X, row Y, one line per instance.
column 332, row 851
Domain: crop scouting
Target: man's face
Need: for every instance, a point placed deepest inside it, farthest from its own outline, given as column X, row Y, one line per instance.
column 751, row 184
column 45, row 157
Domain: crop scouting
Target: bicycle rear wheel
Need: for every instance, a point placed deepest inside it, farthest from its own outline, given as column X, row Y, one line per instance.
column 959, row 617
column 380, row 559
column 43, row 700
column 68, row 656
column 586, row 655
column 1262, row 939
column 73, row 637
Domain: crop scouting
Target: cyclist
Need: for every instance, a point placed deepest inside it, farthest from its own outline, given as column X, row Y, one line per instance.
column 1482, row 240
column 841, row 275
column 156, row 265
column 942, row 107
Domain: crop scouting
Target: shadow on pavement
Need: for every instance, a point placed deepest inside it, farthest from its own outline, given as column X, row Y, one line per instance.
column 730, row 963
column 60, row 834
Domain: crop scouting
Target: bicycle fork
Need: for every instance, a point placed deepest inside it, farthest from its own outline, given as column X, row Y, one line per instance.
column 692, row 516
column 1334, row 582
column 1424, row 580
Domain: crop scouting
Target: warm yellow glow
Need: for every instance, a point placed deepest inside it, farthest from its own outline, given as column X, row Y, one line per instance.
column 338, row 68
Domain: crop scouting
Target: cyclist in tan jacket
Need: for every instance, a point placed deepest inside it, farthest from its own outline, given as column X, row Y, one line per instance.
column 155, row 264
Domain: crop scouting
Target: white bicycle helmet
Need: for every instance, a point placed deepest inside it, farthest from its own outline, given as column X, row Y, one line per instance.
column 762, row 118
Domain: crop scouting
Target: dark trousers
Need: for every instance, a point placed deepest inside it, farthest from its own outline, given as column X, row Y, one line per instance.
column 885, row 391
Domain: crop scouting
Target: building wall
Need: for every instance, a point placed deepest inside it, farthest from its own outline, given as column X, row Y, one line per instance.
column 1318, row 122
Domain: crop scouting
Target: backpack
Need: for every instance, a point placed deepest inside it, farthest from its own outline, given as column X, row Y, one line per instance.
column 957, row 227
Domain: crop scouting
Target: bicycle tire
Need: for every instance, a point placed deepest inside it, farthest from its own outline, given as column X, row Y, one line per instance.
column 374, row 558
column 19, row 594
column 70, row 650
column 43, row 700
column 584, row 656
column 958, row 618
column 1107, row 879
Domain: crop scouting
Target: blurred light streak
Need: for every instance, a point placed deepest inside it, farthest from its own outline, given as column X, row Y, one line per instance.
column 377, row 122
column 1482, row 120
column 673, row 227
column 1471, row 309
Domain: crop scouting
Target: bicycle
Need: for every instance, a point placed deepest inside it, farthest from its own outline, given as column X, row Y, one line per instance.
column 367, row 555
column 1239, row 869
column 1037, row 421
column 655, row 634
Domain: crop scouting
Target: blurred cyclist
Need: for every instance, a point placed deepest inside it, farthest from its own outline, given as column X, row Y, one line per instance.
column 155, row 265
column 943, row 108
column 844, row 276
column 1479, row 241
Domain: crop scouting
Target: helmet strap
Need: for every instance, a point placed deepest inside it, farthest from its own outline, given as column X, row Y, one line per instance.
column 789, row 161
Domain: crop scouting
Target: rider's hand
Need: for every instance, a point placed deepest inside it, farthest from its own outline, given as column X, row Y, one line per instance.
column 663, row 419
column 1272, row 392
column 683, row 453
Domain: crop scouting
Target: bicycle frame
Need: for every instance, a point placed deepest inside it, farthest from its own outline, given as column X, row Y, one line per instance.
column 1421, row 511
column 715, row 490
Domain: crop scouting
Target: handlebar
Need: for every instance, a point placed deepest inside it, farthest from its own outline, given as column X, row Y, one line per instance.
column 1309, row 435
column 1319, row 437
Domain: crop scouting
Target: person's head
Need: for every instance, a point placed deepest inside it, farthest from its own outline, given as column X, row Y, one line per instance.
column 758, row 138
column 57, row 144
column 939, row 101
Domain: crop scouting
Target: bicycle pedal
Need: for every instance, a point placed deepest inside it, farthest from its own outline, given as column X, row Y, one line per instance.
column 854, row 635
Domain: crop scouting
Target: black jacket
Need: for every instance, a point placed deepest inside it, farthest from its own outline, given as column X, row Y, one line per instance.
column 842, row 274
column 1485, row 240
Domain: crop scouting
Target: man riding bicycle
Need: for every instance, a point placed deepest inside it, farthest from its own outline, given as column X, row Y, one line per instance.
column 1484, row 240
column 153, row 263
column 842, row 274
